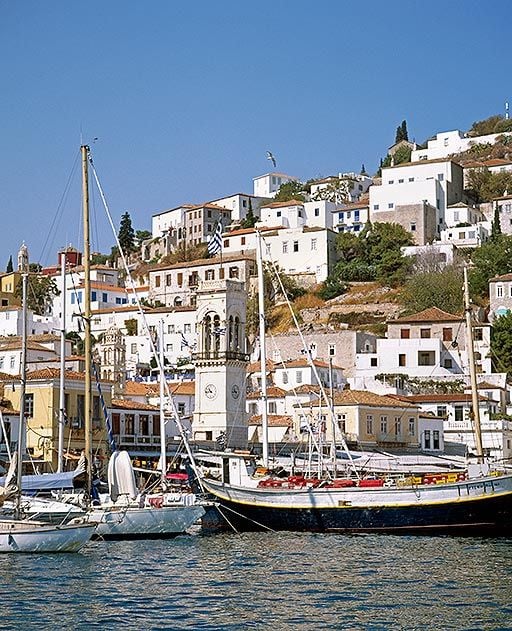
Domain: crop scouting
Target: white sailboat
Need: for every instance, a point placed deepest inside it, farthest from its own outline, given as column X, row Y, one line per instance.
column 23, row 535
column 478, row 502
column 125, row 513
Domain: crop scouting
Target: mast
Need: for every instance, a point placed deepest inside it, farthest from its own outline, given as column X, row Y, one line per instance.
column 87, row 318
column 163, row 449
column 261, row 307
column 23, row 383
column 62, row 399
column 472, row 372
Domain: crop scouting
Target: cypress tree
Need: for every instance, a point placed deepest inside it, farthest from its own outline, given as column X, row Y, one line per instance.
column 405, row 135
column 496, row 224
column 126, row 234
column 10, row 267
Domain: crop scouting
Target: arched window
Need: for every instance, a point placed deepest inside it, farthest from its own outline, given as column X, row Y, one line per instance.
column 207, row 334
column 216, row 332
column 230, row 334
column 178, row 302
column 237, row 334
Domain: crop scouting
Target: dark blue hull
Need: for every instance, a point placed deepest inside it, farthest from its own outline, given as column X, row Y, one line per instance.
column 489, row 516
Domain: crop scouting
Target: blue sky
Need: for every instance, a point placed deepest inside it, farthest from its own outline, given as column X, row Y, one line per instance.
column 185, row 98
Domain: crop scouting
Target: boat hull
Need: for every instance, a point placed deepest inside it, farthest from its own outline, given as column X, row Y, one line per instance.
column 144, row 523
column 29, row 537
column 480, row 507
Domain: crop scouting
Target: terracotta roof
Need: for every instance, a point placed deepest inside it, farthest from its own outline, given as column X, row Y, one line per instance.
column 98, row 285
column 432, row 314
column 256, row 366
column 273, row 392
column 6, row 377
column 16, row 344
column 200, row 262
column 503, row 197
column 128, row 404
column 305, row 388
column 207, row 205
column 182, row 387
column 241, row 231
column 54, row 373
column 455, row 397
column 144, row 388
column 274, row 420
column 303, row 362
column 500, row 278
column 291, row 202
column 352, row 206
column 43, row 337
column 362, row 397
column 486, row 385
column 139, row 388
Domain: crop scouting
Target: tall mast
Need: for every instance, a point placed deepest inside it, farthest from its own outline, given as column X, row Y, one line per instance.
column 87, row 318
column 263, row 353
column 62, row 399
column 472, row 372
column 163, row 448
column 23, row 382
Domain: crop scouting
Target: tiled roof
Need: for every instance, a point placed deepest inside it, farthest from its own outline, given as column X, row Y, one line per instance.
column 54, row 373
column 241, row 231
column 303, row 362
column 208, row 205
column 273, row 392
column 256, row 366
column 98, row 285
column 503, row 277
column 139, row 388
column 182, row 387
column 291, row 202
column 432, row 314
column 16, row 345
column 128, row 404
column 274, row 420
column 305, row 388
column 6, row 377
column 362, row 397
column 455, row 397
column 199, row 263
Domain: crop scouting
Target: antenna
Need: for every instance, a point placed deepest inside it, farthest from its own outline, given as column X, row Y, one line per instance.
column 506, row 110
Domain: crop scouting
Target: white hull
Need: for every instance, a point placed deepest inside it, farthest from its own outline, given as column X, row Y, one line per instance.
column 48, row 511
column 24, row 536
column 131, row 522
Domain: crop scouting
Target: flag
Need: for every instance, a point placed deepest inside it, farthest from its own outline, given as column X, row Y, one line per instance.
column 215, row 242
column 219, row 331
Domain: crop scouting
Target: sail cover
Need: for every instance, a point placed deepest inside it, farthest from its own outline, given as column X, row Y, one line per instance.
column 121, row 478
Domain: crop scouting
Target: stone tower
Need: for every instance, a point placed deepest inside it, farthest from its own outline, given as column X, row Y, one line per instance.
column 112, row 356
column 221, row 363
column 23, row 265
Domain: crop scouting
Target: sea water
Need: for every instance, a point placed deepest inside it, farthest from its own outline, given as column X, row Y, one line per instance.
column 264, row 581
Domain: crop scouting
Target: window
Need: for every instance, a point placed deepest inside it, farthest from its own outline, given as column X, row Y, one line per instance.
column 412, row 428
column 426, row 439
column 332, row 350
column 441, row 410
column 340, row 216
column 298, row 376
column 133, row 348
column 1, row 363
column 383, row 424
column 116, row 423
column 295, row 246
column 187, row 328
column 181, row 409
column 317, row 212
column 398, row 426
column 253, row 409
column 478, row 335
column 373, row 362
column 285, row 247
column 424, row 333
column 157, row 281
column 278, row 214
column 313, row 244
column 209, row 214
column 208, row 227
column 356, row 215
column 168, row 348
column 170, row 328
column 242, row 241
column 391, row 182
column 458, row 411
column 233, row 272
column 405, row 334
column 226, row 243
column 29, row 405
column 342, row 420
column 285, row 377
column 402, row 359
column 180, row 279
column 390, row 205
column 12, row 362
column 209, row 274
column 435, row 439
column 426, row 358
column 447, row 334
column 93, row 296
column 440, row 177
column 413, row 227
column 411, row 179
column 499, row 291
column 400, row 181
column 369, row 424
column 272, row 407
column 375, row 207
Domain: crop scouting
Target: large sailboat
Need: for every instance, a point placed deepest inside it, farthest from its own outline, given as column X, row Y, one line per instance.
column 476, row 501
column 124, row 513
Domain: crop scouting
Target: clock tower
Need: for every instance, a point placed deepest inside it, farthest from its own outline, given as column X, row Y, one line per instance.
column 221, row 363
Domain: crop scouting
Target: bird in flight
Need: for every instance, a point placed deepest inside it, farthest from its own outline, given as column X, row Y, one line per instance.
column 270, row 156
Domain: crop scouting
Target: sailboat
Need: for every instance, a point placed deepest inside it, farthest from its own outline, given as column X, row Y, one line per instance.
column 23, row 535
column 124, row 513
column 478, row 502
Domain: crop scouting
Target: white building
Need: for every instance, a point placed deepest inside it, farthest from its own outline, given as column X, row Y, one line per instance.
column 434, row 254
column 467, row 236
column 351, row 217
column 11, row 322
column 436, row 183
column 295, row 214
column 167, row 220
column 268, row 185
column 448, row 143
column 239, row 203
column 345, row 187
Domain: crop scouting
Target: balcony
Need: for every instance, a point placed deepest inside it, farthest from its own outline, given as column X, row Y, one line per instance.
column 206, row 356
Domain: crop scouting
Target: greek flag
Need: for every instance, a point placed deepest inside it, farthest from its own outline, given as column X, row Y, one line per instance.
column 215, row 242
column 219, row 331
column 184, row 341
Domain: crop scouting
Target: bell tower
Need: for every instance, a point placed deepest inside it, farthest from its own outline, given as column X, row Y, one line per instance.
column 221, row 363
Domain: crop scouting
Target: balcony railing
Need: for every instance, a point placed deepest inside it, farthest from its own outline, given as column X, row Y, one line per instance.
column 216, row 355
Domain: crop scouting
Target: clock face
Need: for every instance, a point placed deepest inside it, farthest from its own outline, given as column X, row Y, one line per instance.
column 210, row 391
column 235, row 392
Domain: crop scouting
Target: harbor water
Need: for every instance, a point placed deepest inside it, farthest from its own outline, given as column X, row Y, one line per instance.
column 264, row 581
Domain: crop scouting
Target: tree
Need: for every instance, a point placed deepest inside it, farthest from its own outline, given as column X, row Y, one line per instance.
column 41, row 291
column 485, row 186
column 493, row 258
column 337, row 191
column 442, row 289
column 363, row 170
column 9, row 269
column 496, row 224
column 126, row 234
column 142, row 235
column 401, row 132
column 486, row 126
column 250, row 219
column 291, row 190
column 501, row 343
